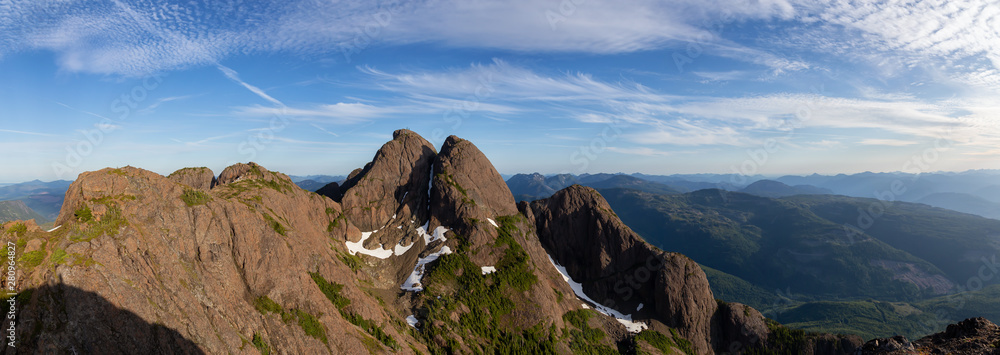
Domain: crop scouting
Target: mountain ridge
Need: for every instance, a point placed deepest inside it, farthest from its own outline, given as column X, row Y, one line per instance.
column 418, row 251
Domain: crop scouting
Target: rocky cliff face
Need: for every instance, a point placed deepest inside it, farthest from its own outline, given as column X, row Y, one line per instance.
column 418, row 251
column 618, row 268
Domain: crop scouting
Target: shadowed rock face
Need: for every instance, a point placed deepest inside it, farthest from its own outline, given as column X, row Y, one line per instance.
column 93, row 325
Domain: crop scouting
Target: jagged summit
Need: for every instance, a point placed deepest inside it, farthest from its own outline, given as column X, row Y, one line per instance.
column 418, row 251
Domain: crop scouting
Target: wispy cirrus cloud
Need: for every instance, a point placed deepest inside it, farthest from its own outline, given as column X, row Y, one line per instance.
column 666, row 119
column 137, row 37
column 886, row 142
column 341, row 112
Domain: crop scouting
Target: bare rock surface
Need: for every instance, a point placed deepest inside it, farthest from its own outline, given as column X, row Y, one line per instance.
column 199, row 178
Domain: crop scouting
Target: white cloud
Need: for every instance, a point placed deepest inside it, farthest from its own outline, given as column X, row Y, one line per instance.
column 644, row 151
column 960, row 38
column 654, row 118
column 886, row 142
column 340, row 112
column 234, row 76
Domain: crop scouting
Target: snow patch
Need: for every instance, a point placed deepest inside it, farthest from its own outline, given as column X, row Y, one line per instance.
column 430, row 237
column 411, row 320
column 412, row 282
column 584, row 306
column 359, row 247
column 400, row 249
column 393, row 216
column 399, row 227
column 493, row 222
column 488, row 269
column 624, row 319
column 53, row 229
column 638, row 308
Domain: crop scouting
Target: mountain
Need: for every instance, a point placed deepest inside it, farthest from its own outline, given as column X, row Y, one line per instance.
column 631, row 182
column 17, row 210
column 421, row 251
column 910, row 187
column 990, row 193
column 46, row 198
column 774, row 244
column 771, row 188
column 963, row 202
column 311, row 185
column 528, row 187
column 322, row 179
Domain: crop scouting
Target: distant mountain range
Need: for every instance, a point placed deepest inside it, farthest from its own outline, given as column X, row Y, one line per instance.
column 45, row 198
column 315, row 182
column 975, row 192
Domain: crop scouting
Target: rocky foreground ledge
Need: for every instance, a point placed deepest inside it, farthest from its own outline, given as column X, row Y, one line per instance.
column 973, row 336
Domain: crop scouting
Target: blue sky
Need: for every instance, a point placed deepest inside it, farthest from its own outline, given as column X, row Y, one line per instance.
column 581, row 86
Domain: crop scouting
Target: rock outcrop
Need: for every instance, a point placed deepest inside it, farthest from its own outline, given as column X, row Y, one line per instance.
column 199, row 178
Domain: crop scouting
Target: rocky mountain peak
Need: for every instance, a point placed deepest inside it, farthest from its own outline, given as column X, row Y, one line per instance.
column 468, row 192
column 394, row 185
column 466, row 180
